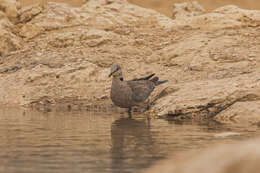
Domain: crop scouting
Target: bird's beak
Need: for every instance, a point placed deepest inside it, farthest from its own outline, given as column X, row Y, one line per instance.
column 112, row 73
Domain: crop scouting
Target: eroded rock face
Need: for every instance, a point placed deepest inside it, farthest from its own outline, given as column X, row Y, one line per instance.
column 10, row 8
column 187, row 9
column 211, row 59
column 235, row 158
column 8, row 40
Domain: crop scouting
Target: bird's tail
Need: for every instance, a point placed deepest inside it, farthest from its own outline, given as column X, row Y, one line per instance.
column 156, row 81
column 161, row 82
column 148, row 77
column 145, row 78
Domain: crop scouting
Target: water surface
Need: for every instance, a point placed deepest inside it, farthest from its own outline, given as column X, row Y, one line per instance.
column 77, row 142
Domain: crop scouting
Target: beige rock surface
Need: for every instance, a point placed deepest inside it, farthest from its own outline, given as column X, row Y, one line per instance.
column 10, row 8
column 166, row 6
column 187, row 9
column 9, row 41
column 233, row 158
column 61, row 56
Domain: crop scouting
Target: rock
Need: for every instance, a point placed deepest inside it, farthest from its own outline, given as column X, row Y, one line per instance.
column 213, row 99
column 225, row 17
column 29, row 31
column 226, row 134
column 52, row 17
column 8, row 40
column 187, row 9
column 241, row 112
column 28, row 13
column 233, row 158
column 59, row 56
column 10, row 8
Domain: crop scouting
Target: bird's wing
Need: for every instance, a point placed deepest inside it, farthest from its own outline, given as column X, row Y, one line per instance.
column 141, row 89
column 144, row 78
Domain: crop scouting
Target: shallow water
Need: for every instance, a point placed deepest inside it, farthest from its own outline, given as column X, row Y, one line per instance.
column 97, row 142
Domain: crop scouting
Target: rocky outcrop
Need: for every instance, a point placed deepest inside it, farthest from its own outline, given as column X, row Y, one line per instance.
column 187, row 9
column 233, row 158
column 10, row 8
column 8, row 40
column 62, row 54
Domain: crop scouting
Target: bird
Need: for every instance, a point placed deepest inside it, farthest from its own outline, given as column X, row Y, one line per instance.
column 127, row 94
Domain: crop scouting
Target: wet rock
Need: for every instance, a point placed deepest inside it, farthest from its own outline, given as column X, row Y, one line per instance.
column 233, row 158
column 241, row 112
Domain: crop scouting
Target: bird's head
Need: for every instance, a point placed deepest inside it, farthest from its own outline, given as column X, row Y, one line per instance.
column 115, row 71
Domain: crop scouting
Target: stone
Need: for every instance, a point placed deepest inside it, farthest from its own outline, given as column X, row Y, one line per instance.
column 9, row 41
column 10, row 8
column 207, row 58
column 187, row 9
column 232, row 158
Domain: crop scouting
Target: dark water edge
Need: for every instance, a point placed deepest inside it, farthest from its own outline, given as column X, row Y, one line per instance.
column 65, row 142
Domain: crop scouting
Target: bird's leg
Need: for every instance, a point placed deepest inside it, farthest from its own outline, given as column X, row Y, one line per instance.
column 129, row 112
column 148, row 105
column 148, row 121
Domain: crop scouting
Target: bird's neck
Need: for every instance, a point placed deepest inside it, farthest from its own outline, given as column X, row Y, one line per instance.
column 117, row 78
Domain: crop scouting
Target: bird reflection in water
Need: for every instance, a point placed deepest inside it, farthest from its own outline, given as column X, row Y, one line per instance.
column 132, row 145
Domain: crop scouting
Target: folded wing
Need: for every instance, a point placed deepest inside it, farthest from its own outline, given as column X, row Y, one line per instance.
column 141, row 89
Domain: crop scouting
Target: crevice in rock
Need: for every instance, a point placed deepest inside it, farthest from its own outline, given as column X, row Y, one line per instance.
column 29, row 13
column 9, row 70
column 213, row 108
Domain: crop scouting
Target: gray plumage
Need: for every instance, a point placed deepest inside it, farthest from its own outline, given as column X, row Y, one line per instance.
column 126, row 94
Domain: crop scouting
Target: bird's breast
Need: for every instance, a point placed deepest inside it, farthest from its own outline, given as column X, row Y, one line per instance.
column 121, row 95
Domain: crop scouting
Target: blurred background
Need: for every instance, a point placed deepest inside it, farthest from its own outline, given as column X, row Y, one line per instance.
column 165, row 6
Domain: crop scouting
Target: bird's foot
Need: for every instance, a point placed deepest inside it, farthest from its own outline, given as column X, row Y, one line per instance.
column 129, row 112
column 148, row 106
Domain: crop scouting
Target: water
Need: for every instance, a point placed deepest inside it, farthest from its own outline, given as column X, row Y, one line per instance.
column 94, row 142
